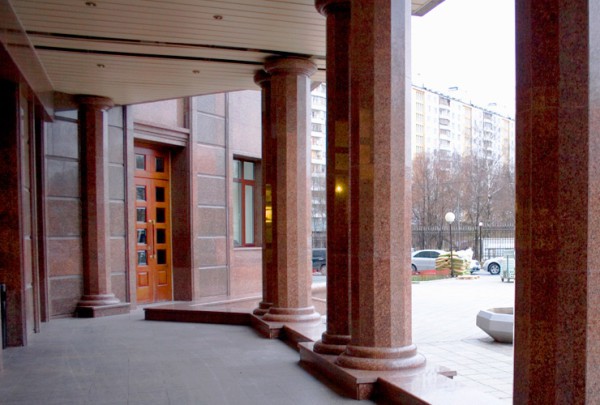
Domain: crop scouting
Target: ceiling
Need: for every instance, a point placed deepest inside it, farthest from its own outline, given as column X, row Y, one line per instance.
column 144, row 50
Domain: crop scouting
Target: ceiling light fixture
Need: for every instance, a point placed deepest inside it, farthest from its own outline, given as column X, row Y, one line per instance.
column 90, row 4
column 101, row 65
column 218, row 17
column 196, row 71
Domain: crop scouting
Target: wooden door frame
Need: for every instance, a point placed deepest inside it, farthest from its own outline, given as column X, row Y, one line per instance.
column 177, row 140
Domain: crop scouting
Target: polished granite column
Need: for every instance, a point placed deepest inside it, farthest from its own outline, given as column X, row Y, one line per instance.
column 97, row 297
column 380, row 188
column 269, row 243
column 337, row 335
column 290, row 123
column 557, row 313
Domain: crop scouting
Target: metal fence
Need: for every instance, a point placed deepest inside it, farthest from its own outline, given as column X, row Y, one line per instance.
column 486, row 241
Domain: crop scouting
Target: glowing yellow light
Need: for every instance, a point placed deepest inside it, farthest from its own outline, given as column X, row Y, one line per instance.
column 339, row 189
column 269, row 214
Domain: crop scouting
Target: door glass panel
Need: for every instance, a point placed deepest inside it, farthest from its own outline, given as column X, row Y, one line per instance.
column 140, row 192
column 141, row 214
column 160, row 194
column 140, row 162
column 160, row 165
column 161, row 256
column 141, row 236
column 142, row 258
column 161, row 236
column 160, row 215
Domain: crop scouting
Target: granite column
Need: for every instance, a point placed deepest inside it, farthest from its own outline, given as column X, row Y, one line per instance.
column 269, row 190
column 337, row 335
column 380, row 188
column 93, row 130
column 290, row 123
column 557, row 313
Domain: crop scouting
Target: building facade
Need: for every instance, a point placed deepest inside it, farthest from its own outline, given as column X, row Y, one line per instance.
column 446, row 125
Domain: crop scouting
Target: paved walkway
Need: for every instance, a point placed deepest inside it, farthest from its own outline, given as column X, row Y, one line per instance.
column 125, row 360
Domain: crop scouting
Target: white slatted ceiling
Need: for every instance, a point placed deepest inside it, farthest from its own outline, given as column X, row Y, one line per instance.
column 180, row 28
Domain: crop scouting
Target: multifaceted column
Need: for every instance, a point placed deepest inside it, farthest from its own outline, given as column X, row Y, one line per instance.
column 290, row 123
column 94, row 147
column 380, row 188
column 557, row 314
column 269, row 167
column 337, row 335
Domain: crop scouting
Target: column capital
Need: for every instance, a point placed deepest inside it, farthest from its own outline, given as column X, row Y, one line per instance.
column 262, row 78
column 326, row 7
column 290, row 65
column 101, row 103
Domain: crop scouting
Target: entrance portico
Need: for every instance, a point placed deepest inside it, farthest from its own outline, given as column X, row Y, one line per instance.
column 219, row 47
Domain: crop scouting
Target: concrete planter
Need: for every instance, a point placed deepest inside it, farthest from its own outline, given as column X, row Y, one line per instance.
column 498, row 323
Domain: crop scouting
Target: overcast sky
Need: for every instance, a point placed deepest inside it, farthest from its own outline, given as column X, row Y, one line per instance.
column 469, row 44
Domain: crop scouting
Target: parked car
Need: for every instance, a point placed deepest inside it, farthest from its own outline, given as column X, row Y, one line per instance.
column 475, row 266
column 319, row 260
column 424, row 259
column 497, row 264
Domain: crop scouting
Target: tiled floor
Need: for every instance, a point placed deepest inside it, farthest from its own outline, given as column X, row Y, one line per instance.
column 125, row 360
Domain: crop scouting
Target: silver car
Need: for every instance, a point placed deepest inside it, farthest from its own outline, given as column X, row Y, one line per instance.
column 424, row 259
column 495, row 265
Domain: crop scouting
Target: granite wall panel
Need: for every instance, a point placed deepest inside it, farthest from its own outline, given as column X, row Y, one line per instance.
column 63, row 214
column 209, row 160
column 65, row 292
column 244, row 121
column 211, row 191
column 211, row 282
column 64, row 256
column 210, row 129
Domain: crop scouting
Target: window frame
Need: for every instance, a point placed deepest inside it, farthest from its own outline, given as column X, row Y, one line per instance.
column 253, row 183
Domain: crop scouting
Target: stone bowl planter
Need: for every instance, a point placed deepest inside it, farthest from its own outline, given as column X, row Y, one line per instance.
column 498, row 323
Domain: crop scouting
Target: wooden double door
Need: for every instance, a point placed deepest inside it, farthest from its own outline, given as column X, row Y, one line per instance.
column 153, row 225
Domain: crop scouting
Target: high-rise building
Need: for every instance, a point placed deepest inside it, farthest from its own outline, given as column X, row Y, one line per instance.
column 317, row 155
column 441, row 124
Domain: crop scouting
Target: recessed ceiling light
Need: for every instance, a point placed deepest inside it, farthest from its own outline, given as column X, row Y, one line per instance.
column 90, row 4
column 101, row 65
column 218, row 17
column 196, row 71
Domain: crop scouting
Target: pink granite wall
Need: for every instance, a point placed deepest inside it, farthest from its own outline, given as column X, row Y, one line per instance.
column 223, row 126
column 118, row 219
column 63, row 214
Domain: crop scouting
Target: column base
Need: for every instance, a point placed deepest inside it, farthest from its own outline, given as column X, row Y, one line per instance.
column 263, row 308
column 307, row 314
column 380, row 358
column 331, row 344
column 94, row 306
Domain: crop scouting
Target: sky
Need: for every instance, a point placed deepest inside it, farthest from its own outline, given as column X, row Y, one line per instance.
column 468, row 44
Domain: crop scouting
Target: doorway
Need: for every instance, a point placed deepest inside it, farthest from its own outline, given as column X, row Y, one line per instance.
column 153, row 225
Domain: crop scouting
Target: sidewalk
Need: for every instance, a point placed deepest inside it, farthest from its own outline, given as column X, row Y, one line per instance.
column 444, row 330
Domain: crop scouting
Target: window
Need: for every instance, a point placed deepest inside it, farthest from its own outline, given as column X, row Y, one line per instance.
column 244, row 188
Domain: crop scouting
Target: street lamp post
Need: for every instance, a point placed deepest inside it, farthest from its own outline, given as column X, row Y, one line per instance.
column 480, row 243
column 450, row 218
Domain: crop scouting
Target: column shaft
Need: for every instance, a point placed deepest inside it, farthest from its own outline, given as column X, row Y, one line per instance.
column 380, row 188
column 94, row 143
column 337, row 335
column 290, row 107
column 557, row 317
column 269, row 190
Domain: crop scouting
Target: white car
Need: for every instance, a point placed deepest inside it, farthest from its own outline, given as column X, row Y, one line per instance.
column 424, row 259
column 495, row 265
